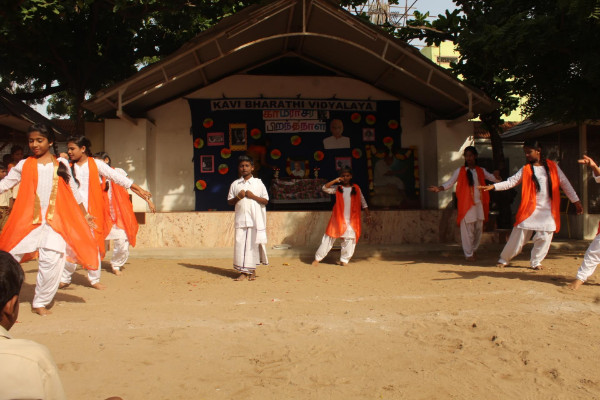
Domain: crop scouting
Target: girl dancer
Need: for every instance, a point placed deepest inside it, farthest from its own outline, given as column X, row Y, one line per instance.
column 46, row 217
column 345, row 218
column 87, row 174
column 123, row 225
column 473, row 204
column 539, row 211
column 592, row 255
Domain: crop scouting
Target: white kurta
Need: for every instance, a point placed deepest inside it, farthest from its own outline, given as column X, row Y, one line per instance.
column 250, row 225
column 42, row 236
column 82, row 173
column 50, row 245
column 540, row 221
column 349, row 236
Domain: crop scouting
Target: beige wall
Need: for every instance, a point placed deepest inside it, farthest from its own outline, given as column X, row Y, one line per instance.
column 158, row 154
column 127, row 144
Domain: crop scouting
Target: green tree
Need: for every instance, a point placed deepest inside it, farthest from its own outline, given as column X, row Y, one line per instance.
column 71, row 48
column 544, row 51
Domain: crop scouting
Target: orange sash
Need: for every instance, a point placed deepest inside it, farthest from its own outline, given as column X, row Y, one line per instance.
column 337, row 224
column 528, row 195
column 124, row 215
column 63, row 215
column 96, row 206
column 465, row 194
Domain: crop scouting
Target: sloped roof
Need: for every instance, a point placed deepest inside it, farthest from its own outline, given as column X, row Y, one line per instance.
column 18, row 116
column 529, row 129
column 318, row 32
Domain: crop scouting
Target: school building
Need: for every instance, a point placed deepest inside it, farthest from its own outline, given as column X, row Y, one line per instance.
column 272, row 81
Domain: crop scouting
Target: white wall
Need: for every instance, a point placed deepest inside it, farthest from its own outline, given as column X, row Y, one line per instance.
column 127, row 144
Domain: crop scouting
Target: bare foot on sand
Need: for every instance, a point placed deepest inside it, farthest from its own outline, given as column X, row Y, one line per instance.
column 242, row 277
column 501, row 265
column 40, row 311
column 252, row 276
column 315, row 263
column 575, row 284
column 343, row 264
column 537, row 268
column 99, row 286
column 116, row 271
column 63, row 285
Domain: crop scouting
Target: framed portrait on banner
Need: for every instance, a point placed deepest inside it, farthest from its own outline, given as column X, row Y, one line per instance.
column 238, row 137
column 207, row 164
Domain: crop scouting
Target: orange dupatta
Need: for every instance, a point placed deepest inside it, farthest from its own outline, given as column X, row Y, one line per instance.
column 337, row 224
column 465, row 194
column 124, row 215
column 63, row 216
column 528, row 195
column 96, row 206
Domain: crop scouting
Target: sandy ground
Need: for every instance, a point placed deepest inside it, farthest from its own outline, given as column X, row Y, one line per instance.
column 397, row 326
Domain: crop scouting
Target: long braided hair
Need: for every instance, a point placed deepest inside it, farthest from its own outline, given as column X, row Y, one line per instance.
column 80, row 141
column 472, row 150
column 102, row 155
column 48, row 133
column 534, row 144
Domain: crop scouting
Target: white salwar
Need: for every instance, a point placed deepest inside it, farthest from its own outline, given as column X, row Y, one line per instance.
column 249, row 248
column 471, row 226
column 349, row 236
column 540, row 221
column 117, row 235
column 46, row 241
column 592, row 256
column 82, row 173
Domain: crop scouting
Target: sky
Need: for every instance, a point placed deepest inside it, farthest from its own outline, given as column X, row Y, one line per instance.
column 434, row 7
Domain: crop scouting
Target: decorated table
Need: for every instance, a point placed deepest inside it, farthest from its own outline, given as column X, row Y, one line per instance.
column 292, row 190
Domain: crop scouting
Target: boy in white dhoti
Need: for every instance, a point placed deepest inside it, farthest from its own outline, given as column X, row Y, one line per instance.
column 249, row 196
column 592, row 255
column 539, row 211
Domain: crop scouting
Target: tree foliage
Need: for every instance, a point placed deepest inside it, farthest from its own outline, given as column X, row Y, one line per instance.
column 545, row 51
column 71, row 48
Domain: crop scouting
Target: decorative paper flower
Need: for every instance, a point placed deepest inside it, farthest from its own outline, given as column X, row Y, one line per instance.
column 370, row 119
column 199, row 143
column 200, row 184
column 208, row 123
column 355, row 117
column 223, row 169
column 393, row 124
column 296, row 140
column 319, row 155
column 225, row 153
column 275, row 154
column 357, row 153
column 388, row 141
column 255, row 133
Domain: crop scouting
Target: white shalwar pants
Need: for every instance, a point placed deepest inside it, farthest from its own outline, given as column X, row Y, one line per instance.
column 246, row 252
column 93, row 275
column 590, row 260
column 120, row 253
column 348, row 246
column 120, row 247
column 470, row 236
column 518, row 238
column 51, row 264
